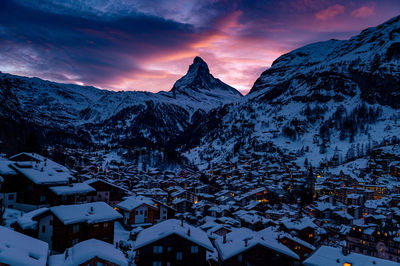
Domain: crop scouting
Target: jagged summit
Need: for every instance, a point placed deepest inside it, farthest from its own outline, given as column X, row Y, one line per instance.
column 198, row 82
column 199, row 66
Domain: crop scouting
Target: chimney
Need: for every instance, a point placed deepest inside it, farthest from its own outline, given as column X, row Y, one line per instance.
column 188, row 232
column 66, row 253
column 246, row 242
column 182, row 221
column 224, row 239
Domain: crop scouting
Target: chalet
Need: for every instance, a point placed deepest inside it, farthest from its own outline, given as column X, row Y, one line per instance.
column 341, row 217
column 74, row 193
column 259, row 194
column 172, row 242
column 35, row 175
column 75, row 223
column 8, row 184
column 304, row 227
column 19, row 249
column 181, row 205
column 138, row 211
column 375, row 242
column 155, row 193
column 89, row 252
column 107, row 192
column 37, row 223
column 336, row 256
column 298, row 246
column 243, row 246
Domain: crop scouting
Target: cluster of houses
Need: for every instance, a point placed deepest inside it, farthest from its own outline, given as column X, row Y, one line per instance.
column 239, row 213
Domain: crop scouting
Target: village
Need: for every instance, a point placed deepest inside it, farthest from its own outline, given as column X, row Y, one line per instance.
column 257, row 210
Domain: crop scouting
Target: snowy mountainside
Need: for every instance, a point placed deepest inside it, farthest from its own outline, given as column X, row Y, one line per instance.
column 367, row 63
column 122, row 116
column 319, row 102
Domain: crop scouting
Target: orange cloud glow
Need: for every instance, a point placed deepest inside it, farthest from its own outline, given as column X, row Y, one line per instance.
column 330, row 13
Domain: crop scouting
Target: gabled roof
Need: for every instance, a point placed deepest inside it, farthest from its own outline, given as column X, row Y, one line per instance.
column 86, row 250
column 170, row 227
column 41, row 170
column 330, row 256
column 133, row 202
column 236, row 243
column 26, row 221
column 72, row 189
column 95, row 212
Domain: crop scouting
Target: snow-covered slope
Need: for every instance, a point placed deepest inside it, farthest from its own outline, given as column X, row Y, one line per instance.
column 322, row 101
column 152, row 117
column 367, row 63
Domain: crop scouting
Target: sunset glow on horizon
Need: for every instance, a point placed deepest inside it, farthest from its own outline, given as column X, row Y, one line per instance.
column 148, row 45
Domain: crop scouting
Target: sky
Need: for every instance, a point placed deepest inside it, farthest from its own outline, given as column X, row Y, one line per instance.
column 149, row 44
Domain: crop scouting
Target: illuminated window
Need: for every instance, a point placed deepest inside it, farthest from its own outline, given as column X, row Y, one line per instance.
column 347, row 264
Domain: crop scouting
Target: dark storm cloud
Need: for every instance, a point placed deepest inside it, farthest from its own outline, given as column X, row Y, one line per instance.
column 90, row 48
column 147, row 45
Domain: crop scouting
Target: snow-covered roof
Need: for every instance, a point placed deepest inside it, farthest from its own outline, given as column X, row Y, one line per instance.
column 236, row 243
column 71, row 189
column 26, row 221
column 169, row 227
column 135, row 201
column 43, row 171
column 94, row 212
column 299, row 224
column 86, row 250
column 331, row 256
column 93, row 180
column 19, row 249
column 5, row 168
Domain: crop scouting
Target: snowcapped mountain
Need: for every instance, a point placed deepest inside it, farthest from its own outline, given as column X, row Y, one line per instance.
column 105, row 116
column 325, row 101
column 200, row 86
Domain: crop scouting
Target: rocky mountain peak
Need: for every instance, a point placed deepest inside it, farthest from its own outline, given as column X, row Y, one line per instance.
column 199, row 66
column 198, row 80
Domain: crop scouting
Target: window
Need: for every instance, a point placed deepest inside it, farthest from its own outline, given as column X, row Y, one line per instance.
column 43, row 229
column 141, row 212
column 178, row 255
column 194, row 249
column 137, row 212
column 51, row 222
column 157, row 263
column 169, row 249
column 10, row 196
column 100, row 263
column 240, row 257
column 42, row 198
column 105, row 225
column 157, row 249
column 75, row 228
column 75, row 241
